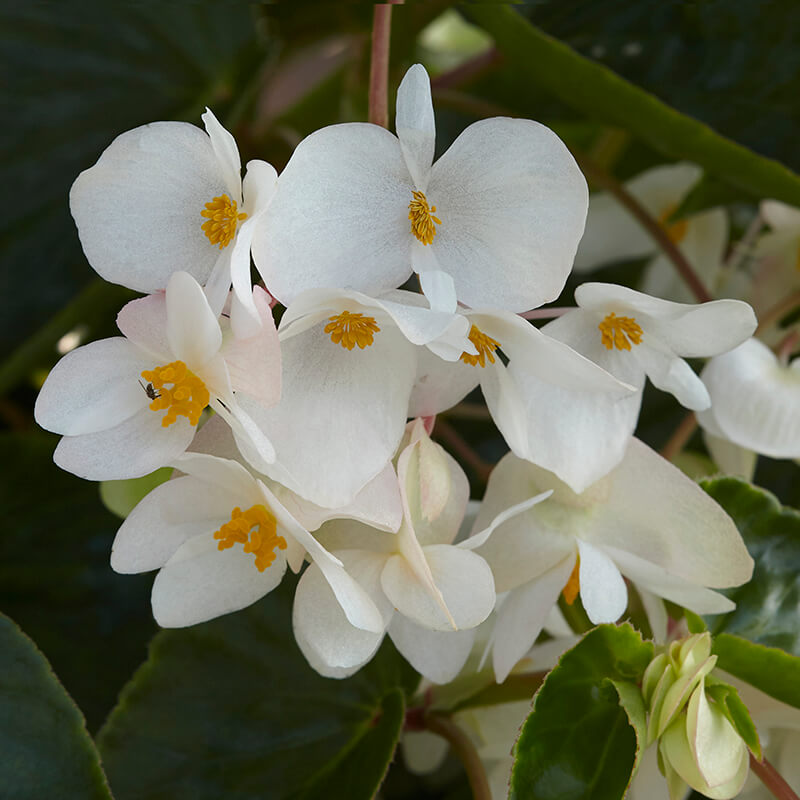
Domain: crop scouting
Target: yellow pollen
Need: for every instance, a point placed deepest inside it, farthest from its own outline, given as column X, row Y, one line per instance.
column 573, row 585
column 222, row 220
column 350, row 330
column 257, row 530
column 422, row 218
column 621, row 332
column 676, row 231
column 187, row 396
column 485, row 346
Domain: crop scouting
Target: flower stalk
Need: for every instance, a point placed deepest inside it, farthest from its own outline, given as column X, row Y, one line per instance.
column 379, row 65
column 772, row 779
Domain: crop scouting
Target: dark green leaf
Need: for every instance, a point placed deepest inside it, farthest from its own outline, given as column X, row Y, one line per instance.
column 727, row 697
column 598, row 92
column 768, row 607
column 582, row 738
column 46, row 749
column 79, row 79
column 231, row 709
column 767, row 668
column 92, row 624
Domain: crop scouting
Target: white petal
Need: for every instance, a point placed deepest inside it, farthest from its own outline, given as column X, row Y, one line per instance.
column 135, row 447
column 728, row 456
column 439, row 385
column 440, row 290
column 320, row 623
column 169, row 515
column 658, row 581
column 654, row 511
column 93, row 388
column 603, row 591
column 201, row 582
column 144, row 322
column 436, row 655
column 522, row 615
column 221, row 472
column 259, row 186
column 338, row 407
column 672, row 374
column 193, row 331
column 415, row 125
column 227, row 154
column 244, row 314
column 512, row 203
column 138, row 208
column 254, row 363
column 481, row 537
column 340, row 215
column 756, row 400
column 779, row 215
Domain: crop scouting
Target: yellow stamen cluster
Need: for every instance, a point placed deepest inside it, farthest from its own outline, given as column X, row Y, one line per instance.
column 422, row 218
column 573, row 585
column 257, row 530
column 485, row 346
column 619, row 332
column 676, row 231
column 187, row 396
column 350, row 330
column 222, row 220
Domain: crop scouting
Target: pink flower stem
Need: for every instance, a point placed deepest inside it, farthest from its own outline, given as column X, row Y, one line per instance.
column 787, row 346
column 680, row 437
column 772, row 779
column 379, row 64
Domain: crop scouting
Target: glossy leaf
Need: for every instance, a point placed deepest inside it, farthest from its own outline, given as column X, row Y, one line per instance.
column 55, row 580
column 596, row 91
column 46, row 749
column 231, row 709
column 587, row 727
column 768, row 607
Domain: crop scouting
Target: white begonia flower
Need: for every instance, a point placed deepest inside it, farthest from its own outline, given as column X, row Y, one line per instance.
column 166, row 197
column 190, row 529
column 130, row 404
column 632, row 336
column 496, row 220
column 755, row 400
column 645, row 520
column 777, row 253
column 348, row 370
column 431, row 594
column 614, row 234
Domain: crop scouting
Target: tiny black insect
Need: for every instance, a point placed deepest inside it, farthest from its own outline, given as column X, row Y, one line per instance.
column 150, row 391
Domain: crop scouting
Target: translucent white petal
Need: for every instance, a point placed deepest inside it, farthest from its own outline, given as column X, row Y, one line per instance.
column 415, row 124
column 193, row 331
column 436, row 655
column 756, row 400
column 254, row 363
column 169, row 515
column 221, row 472
column 658, row 581
column 779, row 215
column 201, row 582
column 227, row 154
column 93, row 388
column 144, row 322
column 338, row 407
column 522, row 615
column 135, row 447
column 259, row 186
column 728, row 456
column 672, row 374
column 440, row 290
column 320, row 622
column 138, row 208
column 654, row 511
column 244, row 321
column 340, row 215
column 465, row 581
column 439, row 385
column 512, row 203
column 603, row 591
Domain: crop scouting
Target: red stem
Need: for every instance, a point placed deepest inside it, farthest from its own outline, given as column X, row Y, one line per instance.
column 379, row 65
column 772, row 779
column 547, row 313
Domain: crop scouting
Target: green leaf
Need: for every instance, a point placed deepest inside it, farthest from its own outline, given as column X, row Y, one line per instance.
column 231, row 709
column 55, row 580
column 80, row 79
column 769, row 669
column 596, row 91
column 735, row 710
column 46, row 749
column 587, row 727
column 766, row 607
column 120, row 497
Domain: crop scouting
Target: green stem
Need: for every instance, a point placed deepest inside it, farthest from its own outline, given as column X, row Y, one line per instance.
column 462, row 746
